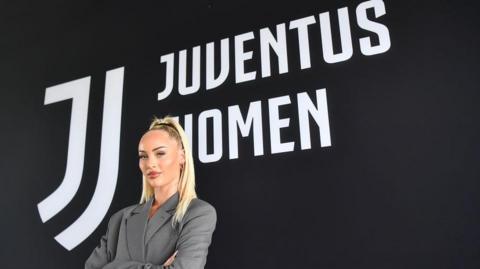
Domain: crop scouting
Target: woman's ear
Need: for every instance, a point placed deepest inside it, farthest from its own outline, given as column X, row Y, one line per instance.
column 182, row 157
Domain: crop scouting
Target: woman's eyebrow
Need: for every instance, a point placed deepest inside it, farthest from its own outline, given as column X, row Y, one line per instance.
column 153, row 149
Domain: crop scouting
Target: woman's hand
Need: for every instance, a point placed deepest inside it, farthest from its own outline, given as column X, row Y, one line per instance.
column 171, row 259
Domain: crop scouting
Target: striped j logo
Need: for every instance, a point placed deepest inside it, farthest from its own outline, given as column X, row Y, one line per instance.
column 78, row 90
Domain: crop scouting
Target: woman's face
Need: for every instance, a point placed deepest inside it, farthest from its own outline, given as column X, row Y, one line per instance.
column 160, row 159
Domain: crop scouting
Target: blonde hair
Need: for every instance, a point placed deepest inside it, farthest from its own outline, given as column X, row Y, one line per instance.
column 186, row 184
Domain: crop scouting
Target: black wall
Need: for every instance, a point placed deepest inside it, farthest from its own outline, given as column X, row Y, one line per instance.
column 398, row 187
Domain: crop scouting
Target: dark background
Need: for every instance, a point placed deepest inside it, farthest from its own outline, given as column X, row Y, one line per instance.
column 398, row 188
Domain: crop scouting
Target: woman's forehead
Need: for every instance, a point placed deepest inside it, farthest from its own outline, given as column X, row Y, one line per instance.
column 156, row 138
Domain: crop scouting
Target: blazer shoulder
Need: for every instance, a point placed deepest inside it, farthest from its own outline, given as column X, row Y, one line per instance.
column 200, row 208
column 199, row 205
column 122, row 213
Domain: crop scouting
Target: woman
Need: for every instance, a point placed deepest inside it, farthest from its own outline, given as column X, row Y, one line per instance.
column 171, row 227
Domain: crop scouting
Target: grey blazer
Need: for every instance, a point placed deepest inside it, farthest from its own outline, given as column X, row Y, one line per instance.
column 133, row 242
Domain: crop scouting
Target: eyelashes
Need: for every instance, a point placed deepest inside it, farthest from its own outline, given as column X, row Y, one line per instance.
column 143, row 157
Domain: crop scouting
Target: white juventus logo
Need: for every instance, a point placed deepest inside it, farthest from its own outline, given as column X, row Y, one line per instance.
column 78, row 90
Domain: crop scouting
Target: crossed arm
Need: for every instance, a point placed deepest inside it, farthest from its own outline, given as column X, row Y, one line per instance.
column 192, row 246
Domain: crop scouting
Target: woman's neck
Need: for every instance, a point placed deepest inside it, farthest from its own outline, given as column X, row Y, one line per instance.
column 162, row 194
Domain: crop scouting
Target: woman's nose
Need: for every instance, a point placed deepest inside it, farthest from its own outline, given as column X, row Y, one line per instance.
column 151, row 162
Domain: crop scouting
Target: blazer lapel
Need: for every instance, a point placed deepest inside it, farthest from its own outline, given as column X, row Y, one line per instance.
column 135, row 227
column 163, row 216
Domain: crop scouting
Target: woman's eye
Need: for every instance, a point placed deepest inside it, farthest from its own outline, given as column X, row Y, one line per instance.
column 141, row 157
column 160, row 153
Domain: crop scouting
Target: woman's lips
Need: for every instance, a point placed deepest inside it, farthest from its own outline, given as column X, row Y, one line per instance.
column 153, row 174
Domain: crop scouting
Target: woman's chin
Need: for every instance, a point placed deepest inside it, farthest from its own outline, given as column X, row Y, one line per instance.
column 156, row 183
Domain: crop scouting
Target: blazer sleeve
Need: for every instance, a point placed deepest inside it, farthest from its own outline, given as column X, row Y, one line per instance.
column 105, row 252
column 195, row 237
column 193, row 242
